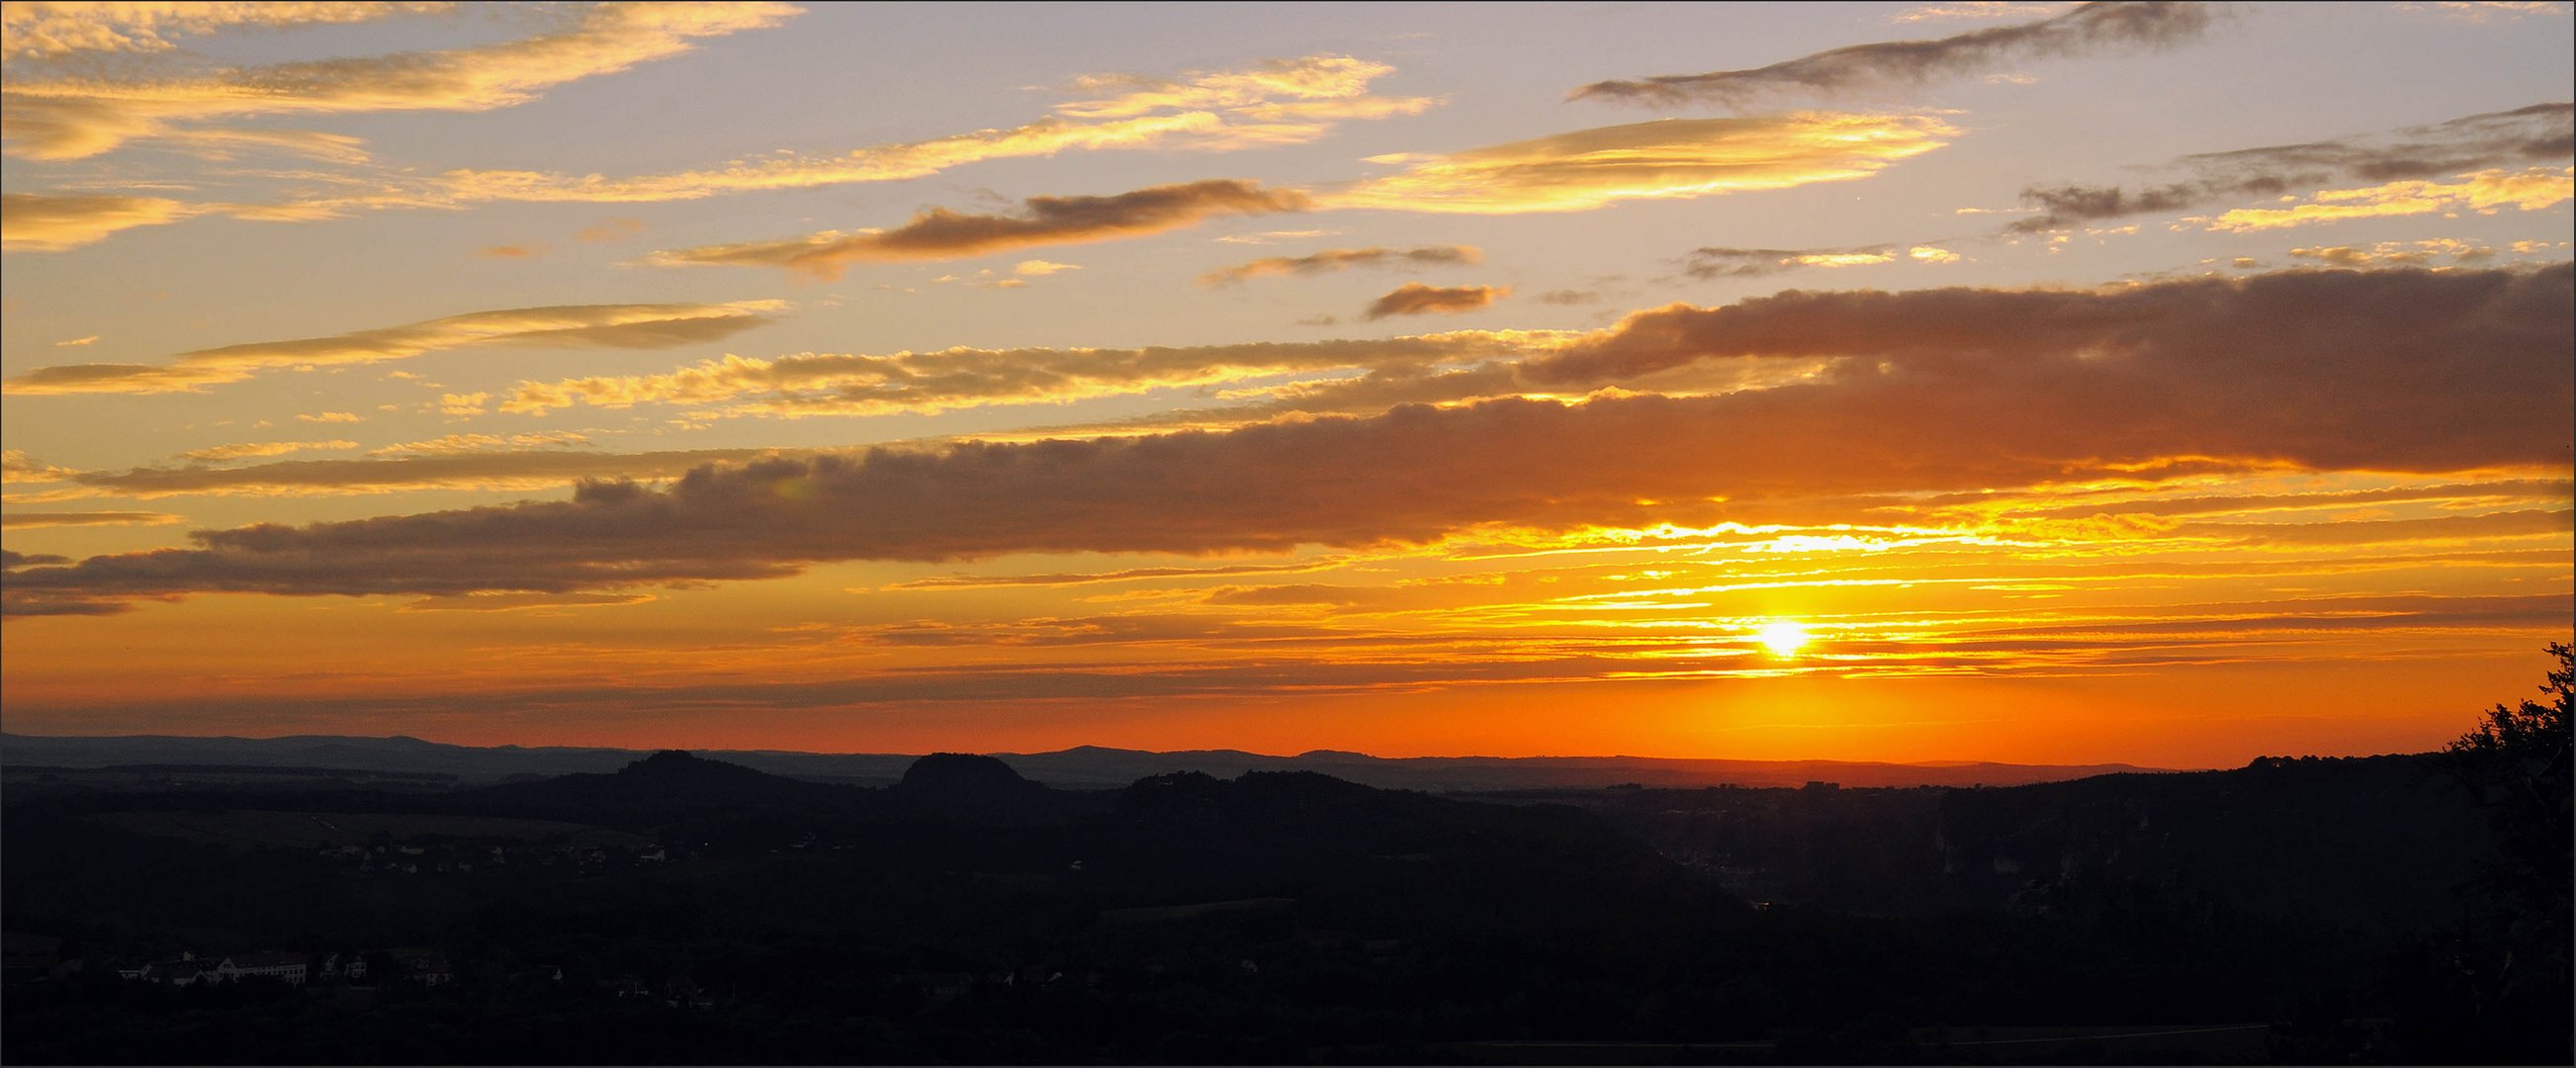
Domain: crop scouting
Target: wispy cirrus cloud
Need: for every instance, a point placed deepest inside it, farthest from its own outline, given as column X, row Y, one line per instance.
column 1952, row 390
column 41, row 29
column 73, row 116
column 942, row 233
column 627, row 326
column 2090, row 28
column 1343, row 259
column 1275, row 102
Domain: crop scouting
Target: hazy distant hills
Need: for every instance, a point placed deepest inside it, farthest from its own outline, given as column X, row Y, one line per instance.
column 1083, row 767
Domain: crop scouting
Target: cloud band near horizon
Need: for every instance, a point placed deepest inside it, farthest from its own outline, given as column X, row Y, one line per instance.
column 1951, row 390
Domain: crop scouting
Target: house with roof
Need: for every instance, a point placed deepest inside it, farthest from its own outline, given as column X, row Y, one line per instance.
column 185, row 971
column 290, row 968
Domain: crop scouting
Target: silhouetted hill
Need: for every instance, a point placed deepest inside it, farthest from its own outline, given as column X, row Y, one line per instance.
column 2364, row 843
column 665, row 788
column 966, row 788
column 967, row 913
column 1082, row 767
column 2356, row 843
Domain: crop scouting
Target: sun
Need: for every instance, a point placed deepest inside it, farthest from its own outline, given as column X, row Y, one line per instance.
column 1783, row 639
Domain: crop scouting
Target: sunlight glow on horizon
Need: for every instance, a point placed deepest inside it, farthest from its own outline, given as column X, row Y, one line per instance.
column 1783, row 638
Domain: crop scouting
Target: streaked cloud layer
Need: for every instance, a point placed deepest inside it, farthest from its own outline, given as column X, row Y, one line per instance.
column 1936, row 397
column 631, row 326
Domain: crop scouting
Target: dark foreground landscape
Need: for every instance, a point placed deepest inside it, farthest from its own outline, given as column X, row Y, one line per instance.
column 685, row 909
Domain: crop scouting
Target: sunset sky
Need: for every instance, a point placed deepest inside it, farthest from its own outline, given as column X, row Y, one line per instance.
column 2169, row 384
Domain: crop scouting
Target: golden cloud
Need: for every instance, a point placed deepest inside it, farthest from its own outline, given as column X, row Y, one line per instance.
column 627, row 326
column 1674, row 158
column 2484, row 192
column 15, row 467
column 1311, row 78
column 455, row 443
column 53, row 222
column 26, row 520
column 2397, row 253
column 253, row 449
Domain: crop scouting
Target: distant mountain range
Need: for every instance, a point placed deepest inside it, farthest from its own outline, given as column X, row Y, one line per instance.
column 1082, row 767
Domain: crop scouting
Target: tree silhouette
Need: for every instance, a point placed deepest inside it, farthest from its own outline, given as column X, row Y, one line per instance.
column 2518, row 761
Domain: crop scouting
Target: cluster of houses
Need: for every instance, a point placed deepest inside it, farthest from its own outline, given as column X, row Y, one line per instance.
column 415, row 859
column 293, row 969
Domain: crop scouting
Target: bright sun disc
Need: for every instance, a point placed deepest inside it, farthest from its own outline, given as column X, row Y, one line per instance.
column 1783, row 639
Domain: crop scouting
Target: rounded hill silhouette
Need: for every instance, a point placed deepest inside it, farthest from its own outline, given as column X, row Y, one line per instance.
column 961, row 773
column 973, row 788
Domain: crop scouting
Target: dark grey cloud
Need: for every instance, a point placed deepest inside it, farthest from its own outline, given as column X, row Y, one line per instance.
column 2088, row 29
column 521, row 469
column 943, row 233
column 2539, row 133
column 1415, row 298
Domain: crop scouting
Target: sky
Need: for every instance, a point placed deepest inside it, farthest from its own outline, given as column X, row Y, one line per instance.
column 2170, row 384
